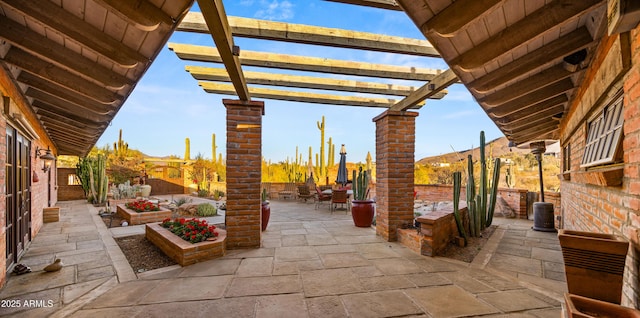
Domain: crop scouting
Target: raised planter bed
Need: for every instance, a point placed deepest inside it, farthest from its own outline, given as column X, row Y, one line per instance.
column 135, row 218
column 183, row 252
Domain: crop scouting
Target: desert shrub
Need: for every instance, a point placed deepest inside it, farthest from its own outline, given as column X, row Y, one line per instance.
column 206, row 209
column 182, row 200
column 203, row 193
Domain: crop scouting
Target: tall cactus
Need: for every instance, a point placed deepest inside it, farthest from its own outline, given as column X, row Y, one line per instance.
column 93, row 176
column 187, row 149
column 480, row 211
column 457, row 184
column 510, row 179
column 360, row 184
column 321, row 127
column 120, row 148
column 213, row 148
column 332, row 153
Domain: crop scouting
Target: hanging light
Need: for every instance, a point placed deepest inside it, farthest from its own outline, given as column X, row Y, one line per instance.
column 48, row 158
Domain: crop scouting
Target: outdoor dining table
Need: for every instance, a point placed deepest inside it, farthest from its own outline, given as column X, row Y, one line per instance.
column 328, row 191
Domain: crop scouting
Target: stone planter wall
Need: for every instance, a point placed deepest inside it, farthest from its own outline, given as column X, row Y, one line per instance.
column 437, row 229
column 183, row 252
column 135, row 218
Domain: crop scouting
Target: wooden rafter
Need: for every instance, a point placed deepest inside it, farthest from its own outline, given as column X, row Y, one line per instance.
column 300, row 33
column 520, row 32
column 533, row 98
column 533, row 109
column 527, row 116
column 382, row 4
column 57, row 18
column 79, row 117
column 98, row 109
column 457, row 16
column 550, row 53
column 439, row 83
column 78, row 122
column 63, row 93
column 140, row 13
column 307, row 97
column 304, row 63
column 537, row 81
column 286, row 80
column 44, row 48
column 53, row 73
column 216, row 18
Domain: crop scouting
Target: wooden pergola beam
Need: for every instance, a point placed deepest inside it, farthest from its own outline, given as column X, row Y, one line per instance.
column 456, row 16
column 439, row 83
column 304, row 63
column 140, row 13
column 286, row 80
column 29, row 63
column 225, row 89
column 38, row 45
column 549, row 53
column 538, row 22
column 216, row 19
column 57, row 18
column 382, row 4
column 307, row 34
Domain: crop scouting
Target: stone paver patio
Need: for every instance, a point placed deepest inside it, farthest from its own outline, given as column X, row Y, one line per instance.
column 312, row 264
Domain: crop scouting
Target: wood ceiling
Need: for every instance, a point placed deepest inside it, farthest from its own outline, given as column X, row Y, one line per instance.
column 304, row 88
column 521, row 60
column 77, row 61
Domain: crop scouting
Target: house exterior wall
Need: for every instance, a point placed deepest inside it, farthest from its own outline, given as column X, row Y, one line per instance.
column 588, row 203
column 39, row 190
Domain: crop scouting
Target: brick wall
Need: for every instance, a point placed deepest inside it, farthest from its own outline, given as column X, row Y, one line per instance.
column 244, row 164
column 596, row 207
column 68, row 192
column 395, row 147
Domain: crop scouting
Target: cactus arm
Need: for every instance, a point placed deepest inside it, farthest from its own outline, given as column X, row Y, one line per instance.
column 457, row 184
column 482, row 189
column 494, row 191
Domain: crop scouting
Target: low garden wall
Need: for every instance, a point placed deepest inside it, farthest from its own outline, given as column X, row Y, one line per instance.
column 135, row 218
column 183, row 252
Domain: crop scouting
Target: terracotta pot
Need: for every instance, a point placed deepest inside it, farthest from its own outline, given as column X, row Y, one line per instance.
column 266, row 213
column 362, row 212
column 594, row 264
column 583, row 307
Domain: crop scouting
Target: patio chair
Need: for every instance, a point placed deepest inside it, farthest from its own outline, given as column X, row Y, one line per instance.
column 339, row 197
column 321, row 197
column 304, row 193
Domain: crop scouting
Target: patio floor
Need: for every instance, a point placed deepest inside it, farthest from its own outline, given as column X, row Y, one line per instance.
column 312, row 264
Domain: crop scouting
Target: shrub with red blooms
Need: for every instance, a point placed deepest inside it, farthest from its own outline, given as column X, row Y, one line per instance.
column 142, row 206
column 192, row 230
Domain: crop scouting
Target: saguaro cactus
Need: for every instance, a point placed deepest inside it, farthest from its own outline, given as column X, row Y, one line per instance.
column 321, row 127
column 213, row 148
column 187, row 149
column 120, row 148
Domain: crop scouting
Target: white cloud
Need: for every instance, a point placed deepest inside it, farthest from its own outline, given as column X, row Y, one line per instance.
column 275, row 10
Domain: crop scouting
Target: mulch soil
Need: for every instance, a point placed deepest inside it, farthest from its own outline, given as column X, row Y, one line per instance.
column 474, row 245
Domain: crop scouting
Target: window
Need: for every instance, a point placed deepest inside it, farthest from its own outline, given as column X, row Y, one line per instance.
column 72, row 179
column 566, row 158
column 604, row 134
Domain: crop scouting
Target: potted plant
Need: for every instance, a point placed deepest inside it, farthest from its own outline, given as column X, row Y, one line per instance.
column 266, row 210
column 362, row 209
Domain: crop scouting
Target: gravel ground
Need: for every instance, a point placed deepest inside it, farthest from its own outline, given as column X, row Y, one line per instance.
column 141, row 254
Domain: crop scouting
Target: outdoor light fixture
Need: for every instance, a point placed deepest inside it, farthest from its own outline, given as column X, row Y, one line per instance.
column 47, row 158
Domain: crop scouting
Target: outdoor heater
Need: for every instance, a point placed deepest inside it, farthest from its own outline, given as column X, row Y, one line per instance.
column 542, row 211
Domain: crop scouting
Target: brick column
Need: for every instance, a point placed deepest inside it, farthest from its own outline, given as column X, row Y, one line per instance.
column 244, row 164
column 395, row 147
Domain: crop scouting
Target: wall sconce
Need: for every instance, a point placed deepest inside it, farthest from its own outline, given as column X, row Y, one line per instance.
column 48, row 158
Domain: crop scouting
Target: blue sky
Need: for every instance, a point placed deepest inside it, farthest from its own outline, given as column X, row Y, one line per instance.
column 168, row 106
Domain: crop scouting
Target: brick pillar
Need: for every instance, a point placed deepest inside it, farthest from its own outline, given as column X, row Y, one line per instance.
column 244, row 164
column 395, row 147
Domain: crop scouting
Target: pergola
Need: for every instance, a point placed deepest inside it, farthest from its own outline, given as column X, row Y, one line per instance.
column 76, row 62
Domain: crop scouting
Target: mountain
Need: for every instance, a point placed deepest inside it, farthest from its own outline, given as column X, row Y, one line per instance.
column 495, row 148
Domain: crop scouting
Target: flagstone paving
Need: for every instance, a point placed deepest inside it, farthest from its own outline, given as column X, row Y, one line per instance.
column 312, row 264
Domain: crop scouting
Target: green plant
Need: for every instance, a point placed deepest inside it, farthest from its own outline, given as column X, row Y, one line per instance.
column 203, row 193
column 193, row 230
column 182, row 200
column 92, row 173
column 142, row 206
column 457, row 184
column 206, row 209
column 481, row 211
column 360, row 185
column 264, row 195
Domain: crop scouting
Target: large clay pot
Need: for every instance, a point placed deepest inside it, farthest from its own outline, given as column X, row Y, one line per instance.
column 266, row 213
column 594, row 264
column 145, row 190
column 362, row 212
column 582, row 307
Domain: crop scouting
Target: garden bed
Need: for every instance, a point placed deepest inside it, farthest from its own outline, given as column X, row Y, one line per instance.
column 183, row 252
column 135, row 218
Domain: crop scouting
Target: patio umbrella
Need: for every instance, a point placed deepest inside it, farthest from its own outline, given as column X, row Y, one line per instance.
column 342, row 167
